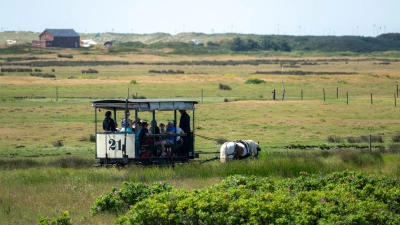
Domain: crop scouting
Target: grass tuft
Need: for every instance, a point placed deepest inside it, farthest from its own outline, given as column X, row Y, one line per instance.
column 224, row 87
column 58, row 143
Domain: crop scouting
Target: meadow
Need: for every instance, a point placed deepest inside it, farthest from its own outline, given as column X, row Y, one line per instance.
column 47, row 153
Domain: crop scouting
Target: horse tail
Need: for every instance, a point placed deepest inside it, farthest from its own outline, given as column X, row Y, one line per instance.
column 223, row 153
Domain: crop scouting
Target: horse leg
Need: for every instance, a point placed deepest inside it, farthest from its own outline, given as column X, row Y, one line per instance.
column 223, row 153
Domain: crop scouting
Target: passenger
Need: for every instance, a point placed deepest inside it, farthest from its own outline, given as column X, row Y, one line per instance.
column 126, row 125
column 170, row 130
column 154, row 129
column 138, row 128
column 143, row 139
column 109, row 123
column 179, row 140
column 162, row 129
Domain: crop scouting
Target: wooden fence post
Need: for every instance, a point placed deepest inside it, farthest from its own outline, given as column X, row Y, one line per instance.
column 394, row 100
column 371, row 98
column 323, row 90
column 301, row 94
column 347, row 98
column 370, row 142
column 337, row 92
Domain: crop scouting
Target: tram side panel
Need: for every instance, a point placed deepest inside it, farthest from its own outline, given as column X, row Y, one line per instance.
column 112, row 143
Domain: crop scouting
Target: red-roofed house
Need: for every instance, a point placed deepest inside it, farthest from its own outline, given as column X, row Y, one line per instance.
column 62, row 38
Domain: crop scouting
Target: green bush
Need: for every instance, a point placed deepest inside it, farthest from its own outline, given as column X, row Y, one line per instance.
column 224, row 87
column 396, row 137
column 92, row 138
column 62, row 219
column 58, row 143
column 342, row 197
column 119, row 201
column 65, row 56
column 133, row 82
column 254, row 80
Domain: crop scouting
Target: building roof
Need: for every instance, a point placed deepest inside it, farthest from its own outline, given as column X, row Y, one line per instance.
column 62, row 32
column 146, row 104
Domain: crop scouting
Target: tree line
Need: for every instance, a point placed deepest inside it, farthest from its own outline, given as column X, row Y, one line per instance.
column 239, row 44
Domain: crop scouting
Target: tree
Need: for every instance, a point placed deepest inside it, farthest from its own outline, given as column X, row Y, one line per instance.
column 252, row 44
column 238, row 45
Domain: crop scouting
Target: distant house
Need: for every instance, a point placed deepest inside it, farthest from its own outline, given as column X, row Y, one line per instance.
column 11, row 42
column 62, row 38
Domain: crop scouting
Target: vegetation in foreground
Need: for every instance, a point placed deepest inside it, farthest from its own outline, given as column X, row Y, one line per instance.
column 56, row 189
column 342, row 197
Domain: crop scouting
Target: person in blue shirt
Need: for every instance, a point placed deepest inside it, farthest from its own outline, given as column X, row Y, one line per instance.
column 170, row 130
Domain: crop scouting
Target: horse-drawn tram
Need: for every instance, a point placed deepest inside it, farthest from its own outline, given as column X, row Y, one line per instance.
column 126, row 145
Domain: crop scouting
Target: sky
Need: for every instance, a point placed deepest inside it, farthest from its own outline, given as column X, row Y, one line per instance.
column 280, row 17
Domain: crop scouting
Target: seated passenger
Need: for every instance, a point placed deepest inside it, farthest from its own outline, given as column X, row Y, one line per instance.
column 143, row 139
column 108, row 123
column 154, row 129
column 170, row 130
column 126, row 124
column 179, row 140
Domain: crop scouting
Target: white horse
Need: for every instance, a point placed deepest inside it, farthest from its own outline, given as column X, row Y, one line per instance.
column 241, row 149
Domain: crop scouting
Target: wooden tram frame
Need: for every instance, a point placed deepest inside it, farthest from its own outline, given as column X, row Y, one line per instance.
column 122, row 148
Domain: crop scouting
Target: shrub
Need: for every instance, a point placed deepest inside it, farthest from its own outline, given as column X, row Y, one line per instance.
column 65, row 56
column 92, row 138
column 90, row 71
column 254, row 80
column 119, row 200
column 62, row 219
column 342, row 197
column 58, row 143
column 353, row 139
column 44, row 75
column 334, row 139
column 224, row 87
column 395, row 148
column 396, row 137
column 133, row 82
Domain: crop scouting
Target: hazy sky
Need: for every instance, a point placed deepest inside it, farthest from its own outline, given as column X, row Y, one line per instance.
column 290, row 17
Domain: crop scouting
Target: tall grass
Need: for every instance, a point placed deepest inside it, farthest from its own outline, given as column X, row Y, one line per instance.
column 55, row 187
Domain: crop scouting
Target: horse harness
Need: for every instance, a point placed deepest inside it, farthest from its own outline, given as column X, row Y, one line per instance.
column 236, row 154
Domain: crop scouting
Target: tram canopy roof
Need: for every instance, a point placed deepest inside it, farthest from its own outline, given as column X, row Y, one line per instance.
column 146, row 104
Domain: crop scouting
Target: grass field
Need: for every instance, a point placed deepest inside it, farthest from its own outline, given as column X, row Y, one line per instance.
column 40, row 176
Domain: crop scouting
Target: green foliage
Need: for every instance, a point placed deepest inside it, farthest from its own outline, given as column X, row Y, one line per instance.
column 396, row 137
column 65, row 56
column 133, row 82
column 62, row 219
column 334, row 139
column 365, row 138
column 44, row 75
column 254, row 80
column 92, row 138
column 253, row 45
column 342, row 197
column 119, row 200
